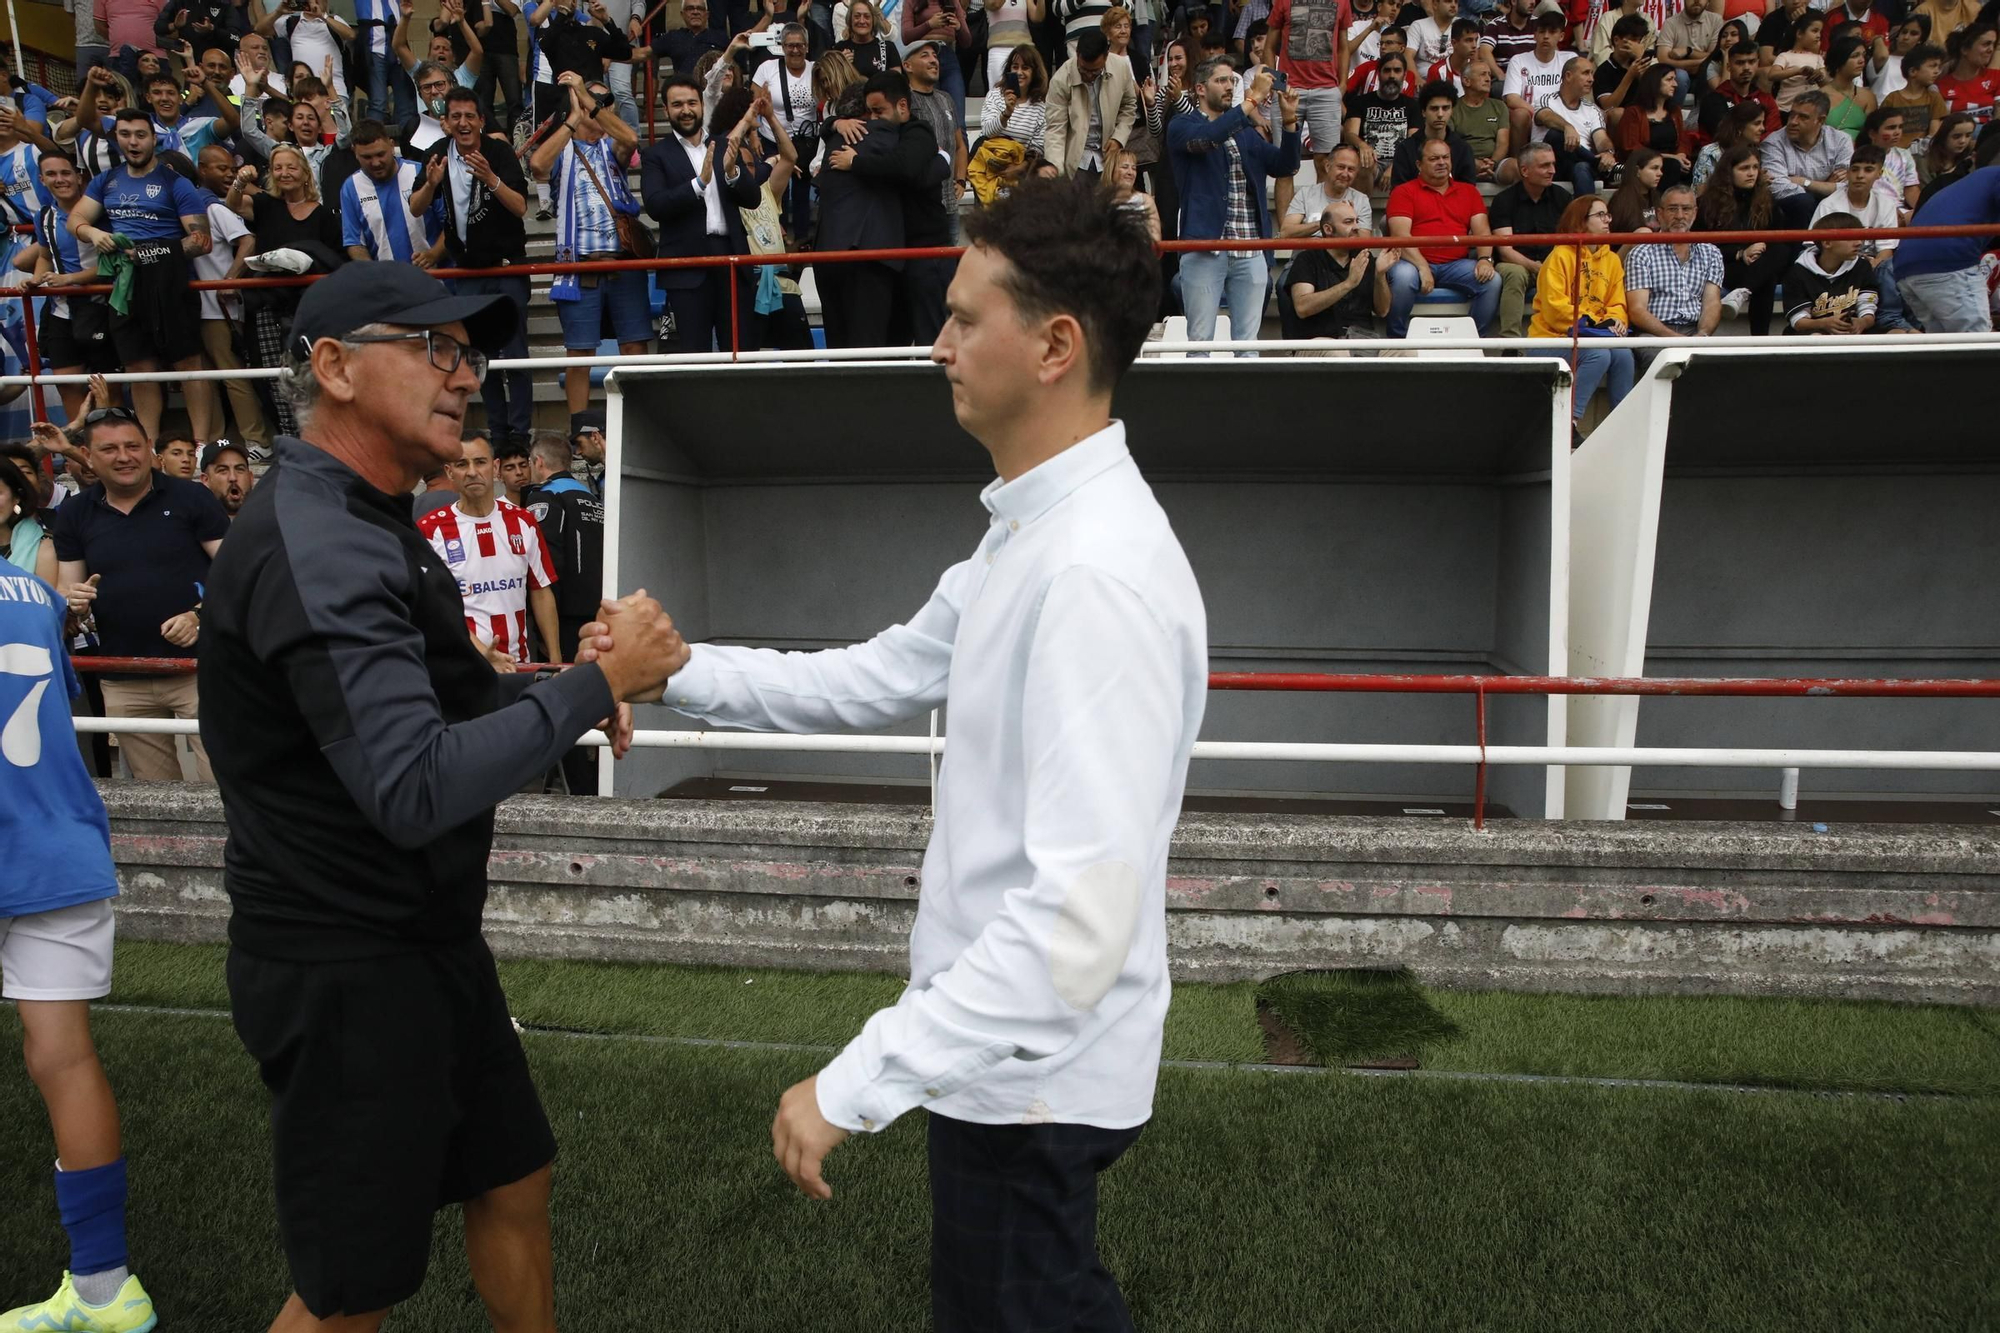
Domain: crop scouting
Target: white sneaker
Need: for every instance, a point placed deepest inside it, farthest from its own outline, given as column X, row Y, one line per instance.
column 1737, row 301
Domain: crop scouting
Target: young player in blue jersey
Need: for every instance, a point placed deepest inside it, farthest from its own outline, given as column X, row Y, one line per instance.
column 55, row 958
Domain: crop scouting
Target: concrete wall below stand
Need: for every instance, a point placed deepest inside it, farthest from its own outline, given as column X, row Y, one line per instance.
column 1901, row 912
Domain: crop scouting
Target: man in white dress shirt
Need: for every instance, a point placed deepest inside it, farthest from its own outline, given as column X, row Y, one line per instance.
column 1073, row 649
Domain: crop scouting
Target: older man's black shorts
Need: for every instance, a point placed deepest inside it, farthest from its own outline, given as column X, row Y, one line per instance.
column 163, row 321
column 397, row 1086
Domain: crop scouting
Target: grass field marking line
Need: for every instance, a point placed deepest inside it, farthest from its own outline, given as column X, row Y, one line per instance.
column 1227, row 1066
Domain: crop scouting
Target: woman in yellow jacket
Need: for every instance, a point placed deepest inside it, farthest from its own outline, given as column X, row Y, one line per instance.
column 1582, row 289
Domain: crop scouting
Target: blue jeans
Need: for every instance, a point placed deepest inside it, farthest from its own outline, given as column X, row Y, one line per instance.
column 1889, row 314
column 1456, row 276
column 387, row 78
column 618, row 78
column 1948, row 302
column 1208, row 278
column 509, row 395
column 1578, row 163
column 1593, row 362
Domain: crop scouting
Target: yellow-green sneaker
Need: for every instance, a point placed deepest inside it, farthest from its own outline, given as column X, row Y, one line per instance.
column 130, row 1311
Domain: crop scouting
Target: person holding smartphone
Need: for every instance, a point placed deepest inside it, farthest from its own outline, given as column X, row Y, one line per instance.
column 942, row 21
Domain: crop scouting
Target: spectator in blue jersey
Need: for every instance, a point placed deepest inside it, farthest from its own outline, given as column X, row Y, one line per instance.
column 74, row 336
column 55, row 955
column 376, row 221
column 158, row 221
column 22, row 143
column 178, row 132
column 581, row 159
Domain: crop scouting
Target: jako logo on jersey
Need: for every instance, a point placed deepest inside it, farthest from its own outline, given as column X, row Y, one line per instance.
column 454, row 551
column 491, row 585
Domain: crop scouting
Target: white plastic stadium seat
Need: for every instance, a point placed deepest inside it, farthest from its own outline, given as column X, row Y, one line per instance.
column 809, row 291
column 1444, row 328
column 1177, row 332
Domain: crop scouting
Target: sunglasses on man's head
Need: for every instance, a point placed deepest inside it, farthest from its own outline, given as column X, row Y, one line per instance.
column 111, row 414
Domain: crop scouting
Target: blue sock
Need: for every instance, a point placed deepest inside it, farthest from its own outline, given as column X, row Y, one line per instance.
column 92, row 1204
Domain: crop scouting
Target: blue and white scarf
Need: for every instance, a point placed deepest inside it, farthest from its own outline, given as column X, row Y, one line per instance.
column 584, row 224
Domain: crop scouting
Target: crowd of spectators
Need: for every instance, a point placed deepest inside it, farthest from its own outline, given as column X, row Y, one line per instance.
column 223, row 139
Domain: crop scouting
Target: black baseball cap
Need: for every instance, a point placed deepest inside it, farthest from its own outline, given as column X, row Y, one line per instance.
column 579, row 422
column 214, row 451
column 367, row 291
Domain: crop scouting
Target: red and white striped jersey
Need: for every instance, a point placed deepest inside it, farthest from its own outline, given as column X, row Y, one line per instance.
column 496, row 560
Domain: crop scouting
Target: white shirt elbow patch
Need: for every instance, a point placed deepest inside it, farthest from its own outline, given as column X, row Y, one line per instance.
column 1093, row 934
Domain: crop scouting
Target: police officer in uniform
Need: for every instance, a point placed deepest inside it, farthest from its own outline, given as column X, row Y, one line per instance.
column 572, row 521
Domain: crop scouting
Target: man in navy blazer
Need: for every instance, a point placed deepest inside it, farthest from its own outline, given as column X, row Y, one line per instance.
column 1221, row 156
column 692, row 185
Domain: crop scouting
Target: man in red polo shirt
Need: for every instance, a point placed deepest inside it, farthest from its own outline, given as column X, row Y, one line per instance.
column 1436, row 205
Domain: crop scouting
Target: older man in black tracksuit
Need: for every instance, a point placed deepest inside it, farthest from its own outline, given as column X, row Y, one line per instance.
column 359, row 774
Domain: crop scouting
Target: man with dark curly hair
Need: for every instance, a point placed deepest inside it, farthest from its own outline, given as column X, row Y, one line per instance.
column 1073, row 649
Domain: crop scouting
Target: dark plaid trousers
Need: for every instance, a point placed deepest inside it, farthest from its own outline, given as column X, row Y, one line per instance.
column 1014, row 1228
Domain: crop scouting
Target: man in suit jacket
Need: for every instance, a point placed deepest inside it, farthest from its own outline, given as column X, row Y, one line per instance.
column 1221, row 159
column 862, row 209
column 916, row 169
column 1092, row 103
column 692, row 185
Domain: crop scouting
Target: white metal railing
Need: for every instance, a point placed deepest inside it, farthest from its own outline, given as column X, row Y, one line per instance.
column 1293, row 751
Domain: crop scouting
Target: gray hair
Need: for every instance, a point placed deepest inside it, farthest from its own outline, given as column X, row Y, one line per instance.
column 427, row 68
column 793, row 30
column 1573, row 62
column 1814, row 97
column 1678, row 187
column 1535, row 148
column 552, row 449
column 1206, row 69
column 299, row 387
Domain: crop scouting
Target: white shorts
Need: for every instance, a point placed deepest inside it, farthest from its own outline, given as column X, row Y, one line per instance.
column 59, row 955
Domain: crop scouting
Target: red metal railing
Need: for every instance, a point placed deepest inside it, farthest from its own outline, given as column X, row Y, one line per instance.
column 812, row 257
column 1479, row 687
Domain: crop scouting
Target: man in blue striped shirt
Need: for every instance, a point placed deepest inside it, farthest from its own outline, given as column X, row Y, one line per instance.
column 375, row 217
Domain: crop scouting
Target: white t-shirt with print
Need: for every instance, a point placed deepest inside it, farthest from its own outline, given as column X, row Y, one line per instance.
column 226, row 228
column 1536, row 81
column 1883, row 211
column 1586, row 118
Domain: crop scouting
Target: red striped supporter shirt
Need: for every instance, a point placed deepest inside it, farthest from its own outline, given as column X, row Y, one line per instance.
column 496, row 560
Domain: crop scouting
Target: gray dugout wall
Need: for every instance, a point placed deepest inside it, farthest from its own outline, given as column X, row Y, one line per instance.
column 1340, row 516
column 1828, row 516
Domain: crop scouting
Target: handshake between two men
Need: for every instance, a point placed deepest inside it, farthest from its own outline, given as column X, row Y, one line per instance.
column 634, row 643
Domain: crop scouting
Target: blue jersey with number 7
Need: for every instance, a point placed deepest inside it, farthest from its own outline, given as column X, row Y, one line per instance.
column 51, row 818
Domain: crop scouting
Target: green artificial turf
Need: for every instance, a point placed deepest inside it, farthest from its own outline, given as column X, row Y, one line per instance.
column 1344, row 1016
column 1254, row 1201
column 1829, row 1044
